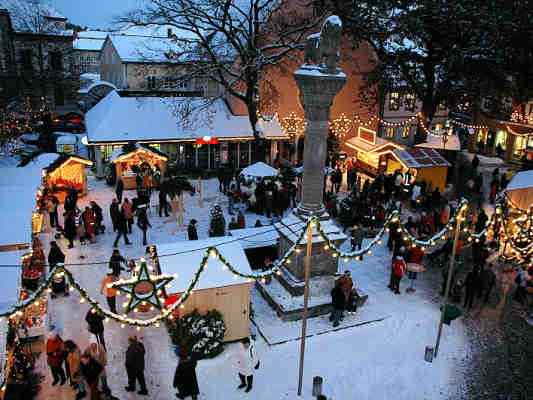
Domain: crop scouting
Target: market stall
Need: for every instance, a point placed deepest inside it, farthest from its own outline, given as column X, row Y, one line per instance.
column 259, row 244
column 519, row 191
column 259, row 170
column 65, row 173
column 217, row 289
column 138, row 160
column 423, row 164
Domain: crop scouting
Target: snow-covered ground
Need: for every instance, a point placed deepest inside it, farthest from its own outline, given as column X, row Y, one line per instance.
column 379, row 360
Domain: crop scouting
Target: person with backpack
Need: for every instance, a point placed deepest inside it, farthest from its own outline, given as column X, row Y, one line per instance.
column 246, row 361
column 398, row 271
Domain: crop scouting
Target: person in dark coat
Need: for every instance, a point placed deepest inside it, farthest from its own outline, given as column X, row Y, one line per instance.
column 192, row 233
column 91, row 370
column 338, row 301
column 114, row 210
column 135, row 366
column 122, row 228
column 185, row 380
column 71, row 201
column 55, row 256
column 487, row 280
column 481, row 221
column 119, row 190
column 70, row 228
column 142, row 221
column 163, row 203
column 471, row 287
column 115, row 263
column 95, row 322
column 98, row 217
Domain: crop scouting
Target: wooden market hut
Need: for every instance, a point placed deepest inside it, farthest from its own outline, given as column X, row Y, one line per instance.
column 65, row 173
column 424, row 164
column 134, row 155
column 217, row 289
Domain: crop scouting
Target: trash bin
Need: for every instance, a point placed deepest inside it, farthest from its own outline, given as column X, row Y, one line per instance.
column 428, row 356
column 317, row 385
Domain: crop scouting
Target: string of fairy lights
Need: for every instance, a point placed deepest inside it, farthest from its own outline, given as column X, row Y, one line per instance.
column 154, row 300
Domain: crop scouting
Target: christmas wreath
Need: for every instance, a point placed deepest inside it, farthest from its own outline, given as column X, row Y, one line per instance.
column 202, row 335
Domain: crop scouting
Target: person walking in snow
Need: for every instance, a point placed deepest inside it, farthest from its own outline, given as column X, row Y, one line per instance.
column 185, row 380
column 110, row 292
column 55, row 255
column 52, row 204
column 98, row 218
column 192, row 233
column 70, row 228
column 142, row 221
column 114, row 210
column 89, row 222
column 98, row 353
column 122, row 229
column 74, row 368
column 163, row 203
column 246, row 360
column 135, row 366
column 115, row 263
column 127, row 212
column 338, row 301
column 91, row 370
column 55, row 355
column 471, row 287
column 398, row 271
column 119, row 190
column 95, row 322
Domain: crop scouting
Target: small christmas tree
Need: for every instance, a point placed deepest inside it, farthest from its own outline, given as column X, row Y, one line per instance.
column 217, row 224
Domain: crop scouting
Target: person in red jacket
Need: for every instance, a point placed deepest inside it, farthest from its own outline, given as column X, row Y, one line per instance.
column 415, row 255
column 55, row 352
column 398, row 270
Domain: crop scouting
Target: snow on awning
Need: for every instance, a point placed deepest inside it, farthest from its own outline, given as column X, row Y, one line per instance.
column 117, row 119
column 119, row 155
column 254, row 238
column 189, row 258
column 259, row 170
column 435, row 142
column 519, row 191
column 420, row 158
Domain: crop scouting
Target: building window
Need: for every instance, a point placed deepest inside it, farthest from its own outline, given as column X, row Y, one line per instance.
column 389, row 132
column 169, row 83
column 409, row 102
column 405, row 131
column 26, row 59
column 56, row 61
column 182, row 84
column 394, row 101
column 151, row 82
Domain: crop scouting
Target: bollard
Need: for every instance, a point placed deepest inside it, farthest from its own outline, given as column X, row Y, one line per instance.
column 317, row 386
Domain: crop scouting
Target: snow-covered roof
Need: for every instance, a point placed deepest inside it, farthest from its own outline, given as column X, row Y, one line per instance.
column 519, row 191
column 379, row 145
column 18, row 186
column 120, row 155
column 522, row 180
column 155, row 119
column 292, row 228
column 88, row 44
column 259, row 170
column 421, row 158
column 253, row 238
column 10, row 262
column 435, row 142
column 67, row 139
column 32, row 17
column 144, row 49
column 186, row 263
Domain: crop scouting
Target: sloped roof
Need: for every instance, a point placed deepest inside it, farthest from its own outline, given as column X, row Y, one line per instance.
column 155, row 119
column 381, row 145
column 39, row 18
column 145, row 49
column 65, row 158
column 421, row 158
column 120, row 154
column 88, row 44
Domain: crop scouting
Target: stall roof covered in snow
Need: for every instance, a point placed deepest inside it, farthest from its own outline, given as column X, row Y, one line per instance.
column 435, row 142
column 10, row 262
column 259, row 170
column 254, row 238
column 292, row 227
column 119, row 154
column 155, row 119
column 18, row 186
column 421, row 158
column 519, row 191
column 190, row 256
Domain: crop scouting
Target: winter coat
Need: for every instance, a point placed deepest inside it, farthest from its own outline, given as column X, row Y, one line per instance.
column 120, row 188
column 338, row 300
column 398, row 268
column 55, row 351
column 97, row 352
column 73, row 362
column 135, row 357
column 95, row 321
column 357, row 235
column 127, row 210
column 108, row 291
column 246, row 360
column 114, row 211
column 55, row 256
column 70, row 203
column 121, row 222
column 142, row 220
column 185, row 378
column 97, row 211
column 91, row 371
column 70, row 227
column 488, row 279
column 416, row 254
column 346, row 284
column 88, row 221
column 472, row 280
column 191, row 232
column 115, row 264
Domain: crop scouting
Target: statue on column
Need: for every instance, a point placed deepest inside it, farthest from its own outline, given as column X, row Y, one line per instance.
column 323, row 48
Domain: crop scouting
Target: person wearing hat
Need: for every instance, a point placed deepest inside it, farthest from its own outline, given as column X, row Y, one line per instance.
column 398, row 270
column 135, row 365
column 109, row 292
column 191, row 230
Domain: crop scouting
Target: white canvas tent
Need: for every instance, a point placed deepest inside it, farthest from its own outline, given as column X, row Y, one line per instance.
column 519, row 191
column 259, row 170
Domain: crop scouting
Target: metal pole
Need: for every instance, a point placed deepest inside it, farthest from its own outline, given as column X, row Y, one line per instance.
column 306, row 302
column 449, row 281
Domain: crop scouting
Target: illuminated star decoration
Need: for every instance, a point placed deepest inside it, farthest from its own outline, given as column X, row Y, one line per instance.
column 143, row 289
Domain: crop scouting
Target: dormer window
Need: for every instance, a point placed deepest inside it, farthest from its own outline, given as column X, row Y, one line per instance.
column 409, row 102
column 394, row 101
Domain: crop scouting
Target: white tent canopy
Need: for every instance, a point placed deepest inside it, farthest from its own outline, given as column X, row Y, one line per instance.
column 259, row 170
column 435, row 142
column 519, row 191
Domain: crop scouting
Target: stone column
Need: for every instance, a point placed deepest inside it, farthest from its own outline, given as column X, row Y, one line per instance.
column 317, row 91
column 99, row 162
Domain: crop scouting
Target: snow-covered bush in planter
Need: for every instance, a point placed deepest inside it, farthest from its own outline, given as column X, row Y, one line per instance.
column 203, row 335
